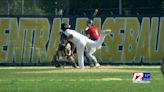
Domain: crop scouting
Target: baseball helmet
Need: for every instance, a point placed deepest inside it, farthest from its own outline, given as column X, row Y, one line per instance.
column 65, row 26
column 90, row 22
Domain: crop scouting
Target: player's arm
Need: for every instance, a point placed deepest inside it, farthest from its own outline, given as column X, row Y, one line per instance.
column 73, row 47
column 86, row 32
column 67, row 51
column 69, row 36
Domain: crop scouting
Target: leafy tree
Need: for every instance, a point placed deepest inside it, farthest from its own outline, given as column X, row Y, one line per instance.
column 3, row 7
column 162, row 6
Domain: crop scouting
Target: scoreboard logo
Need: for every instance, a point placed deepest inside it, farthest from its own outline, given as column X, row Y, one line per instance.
column 141, row 77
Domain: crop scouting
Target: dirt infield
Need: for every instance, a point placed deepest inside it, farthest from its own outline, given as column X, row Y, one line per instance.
column 69, row 67
column 80, row 71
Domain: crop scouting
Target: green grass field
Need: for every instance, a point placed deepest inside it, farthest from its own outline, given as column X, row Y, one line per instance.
column 104, row 79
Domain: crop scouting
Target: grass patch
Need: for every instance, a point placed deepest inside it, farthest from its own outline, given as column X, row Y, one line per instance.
column 76, row 80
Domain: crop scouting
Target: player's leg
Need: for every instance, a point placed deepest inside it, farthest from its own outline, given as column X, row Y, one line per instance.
column 72, row 61
column 80, row 52
column 88, row 59
column 91, row 51
column 56, row 60
column 61, row 58
column 100, row 40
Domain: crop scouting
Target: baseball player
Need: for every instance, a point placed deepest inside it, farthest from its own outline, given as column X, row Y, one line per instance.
column 82, row 41
column 92, row 32
column 64, row 52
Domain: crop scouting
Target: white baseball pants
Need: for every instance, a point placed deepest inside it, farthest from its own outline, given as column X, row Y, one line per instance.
column 81, row 43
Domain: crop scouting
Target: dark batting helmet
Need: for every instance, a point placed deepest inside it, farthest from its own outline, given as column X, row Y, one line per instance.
column 65, row 26
column 90, row 22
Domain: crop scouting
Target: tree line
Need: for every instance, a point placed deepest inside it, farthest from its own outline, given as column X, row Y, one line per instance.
column 80, row 7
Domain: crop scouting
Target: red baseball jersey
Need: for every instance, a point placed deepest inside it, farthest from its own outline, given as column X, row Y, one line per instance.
column 92, row 31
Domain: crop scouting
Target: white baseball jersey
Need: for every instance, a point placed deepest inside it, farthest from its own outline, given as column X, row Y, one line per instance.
column 81, row 41
column 76, row 36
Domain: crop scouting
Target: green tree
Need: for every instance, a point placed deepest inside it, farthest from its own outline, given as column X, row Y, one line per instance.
column 3, row 7
column 21, row 7
column 162, row 6
column 15, row 7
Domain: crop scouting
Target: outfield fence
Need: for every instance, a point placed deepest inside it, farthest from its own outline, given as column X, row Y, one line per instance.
column 34, row 40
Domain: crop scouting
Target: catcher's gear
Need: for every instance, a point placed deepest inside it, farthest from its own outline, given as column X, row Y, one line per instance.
column 65, row 26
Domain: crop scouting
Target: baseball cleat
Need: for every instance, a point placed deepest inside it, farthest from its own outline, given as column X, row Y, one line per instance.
column 97, row 65
column 74, row 66
column 91, row 65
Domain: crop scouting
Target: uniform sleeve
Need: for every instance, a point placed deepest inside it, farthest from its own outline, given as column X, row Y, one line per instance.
column 87, row 30
column 67, row 33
